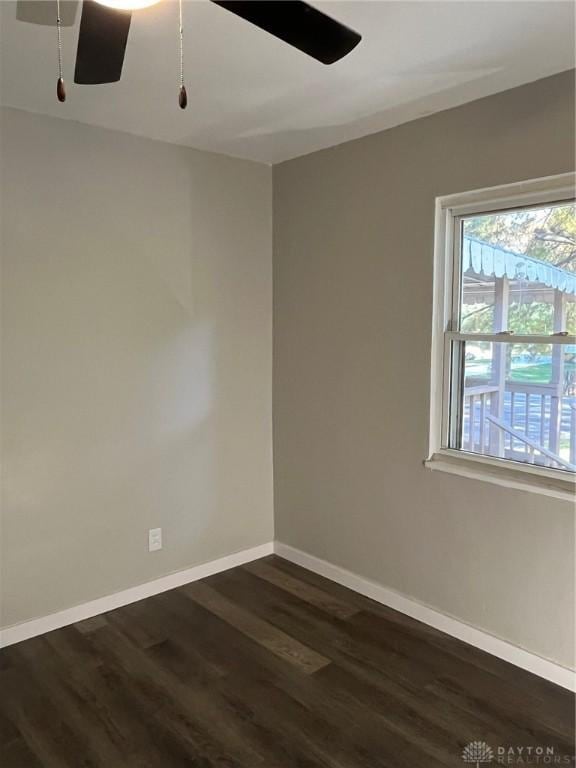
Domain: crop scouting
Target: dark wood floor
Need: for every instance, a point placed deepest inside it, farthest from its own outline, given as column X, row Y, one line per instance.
column 267, row 666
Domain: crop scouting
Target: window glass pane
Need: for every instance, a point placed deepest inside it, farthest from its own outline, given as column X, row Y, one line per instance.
column 516, row 401
column 519, row 271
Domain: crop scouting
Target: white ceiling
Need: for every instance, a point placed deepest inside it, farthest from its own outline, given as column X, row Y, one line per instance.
column 253, row 96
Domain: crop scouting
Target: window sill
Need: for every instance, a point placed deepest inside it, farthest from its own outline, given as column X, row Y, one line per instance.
column 510, row 477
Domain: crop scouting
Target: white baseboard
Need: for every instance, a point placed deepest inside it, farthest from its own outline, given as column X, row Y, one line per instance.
column 451, row 626
column 40, row 626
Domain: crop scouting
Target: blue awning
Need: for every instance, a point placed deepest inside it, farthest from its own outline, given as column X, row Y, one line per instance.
column 481, row 258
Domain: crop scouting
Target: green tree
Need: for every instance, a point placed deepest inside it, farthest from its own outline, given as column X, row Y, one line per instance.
column 547, row 234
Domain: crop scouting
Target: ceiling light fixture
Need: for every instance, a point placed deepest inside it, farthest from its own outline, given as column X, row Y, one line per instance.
column 128, row 5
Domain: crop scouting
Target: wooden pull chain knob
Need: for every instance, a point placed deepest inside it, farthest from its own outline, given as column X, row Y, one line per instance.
column 61, row 90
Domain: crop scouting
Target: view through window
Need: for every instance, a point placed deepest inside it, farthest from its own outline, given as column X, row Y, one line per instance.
column 513, row 383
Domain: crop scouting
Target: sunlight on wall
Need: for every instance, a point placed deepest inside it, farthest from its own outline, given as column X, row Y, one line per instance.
column 182, row 374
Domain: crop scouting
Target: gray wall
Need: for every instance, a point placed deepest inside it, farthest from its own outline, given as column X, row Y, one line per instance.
column 136, row 365
column 137, row 337
column 353, row 251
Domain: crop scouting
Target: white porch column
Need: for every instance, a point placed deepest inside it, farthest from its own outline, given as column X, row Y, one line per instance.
column 557, row 378
column 501, row 302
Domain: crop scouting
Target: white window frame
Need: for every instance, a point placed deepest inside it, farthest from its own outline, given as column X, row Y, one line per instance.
column 449, row 209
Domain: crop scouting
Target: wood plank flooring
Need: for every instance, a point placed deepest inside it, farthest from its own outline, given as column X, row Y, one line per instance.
column 268, row 666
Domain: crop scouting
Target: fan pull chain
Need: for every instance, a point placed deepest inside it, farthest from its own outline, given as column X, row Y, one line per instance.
column 182, row 96
column 60, row 88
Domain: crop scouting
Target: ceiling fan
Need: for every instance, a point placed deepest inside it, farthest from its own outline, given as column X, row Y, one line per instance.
column 104, row 27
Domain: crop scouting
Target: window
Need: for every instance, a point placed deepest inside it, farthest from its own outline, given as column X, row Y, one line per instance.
column 504, row 346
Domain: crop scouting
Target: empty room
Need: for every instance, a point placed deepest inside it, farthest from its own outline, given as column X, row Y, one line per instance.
column 287, row 383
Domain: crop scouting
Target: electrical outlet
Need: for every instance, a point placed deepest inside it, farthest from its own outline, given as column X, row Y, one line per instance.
column 154, row 539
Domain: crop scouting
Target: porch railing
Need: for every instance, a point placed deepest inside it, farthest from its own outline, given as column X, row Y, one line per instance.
column 532, row 448
column 532, row 424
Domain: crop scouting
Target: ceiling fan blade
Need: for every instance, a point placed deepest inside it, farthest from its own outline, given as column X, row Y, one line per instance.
column 299, row 25
column 45, row 11
column 101, row 43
